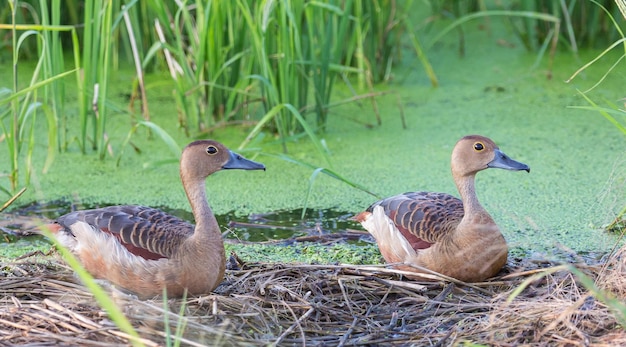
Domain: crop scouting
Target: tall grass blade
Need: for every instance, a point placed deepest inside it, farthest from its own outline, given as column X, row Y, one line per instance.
column 163, row 135
column 420, row 54
column 181, row 322
column 160, row 132
column 273, row 113
column 615, row 44
column 606, row 113
column 568, row 26
column 491, row 13
column 104, row 57
column 54, row 94
column 137, row 62
column 32, row 87
column 12, row 199
column 88, row 80
column 328, row 172
column 114, row 313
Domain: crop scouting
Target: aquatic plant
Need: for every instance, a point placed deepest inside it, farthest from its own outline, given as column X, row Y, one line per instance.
column 225, row 58
column 20, row 106
column 584, row 23
column 229, row 62
column 539, row 24
column 12, row 199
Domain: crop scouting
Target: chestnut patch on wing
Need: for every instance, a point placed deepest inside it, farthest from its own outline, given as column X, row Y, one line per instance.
column 361, row 217
column 138, row 251
column 414, row 241
column 54, row 227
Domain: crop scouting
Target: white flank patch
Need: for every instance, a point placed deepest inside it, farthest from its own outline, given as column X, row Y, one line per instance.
column 387, row 235
column 108, row 248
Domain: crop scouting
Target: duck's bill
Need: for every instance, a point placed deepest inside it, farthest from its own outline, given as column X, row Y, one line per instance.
column 503, row 161
column 237, row 161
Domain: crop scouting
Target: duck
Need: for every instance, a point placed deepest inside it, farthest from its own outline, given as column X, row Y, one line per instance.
column 430, row 231
column 143, row 250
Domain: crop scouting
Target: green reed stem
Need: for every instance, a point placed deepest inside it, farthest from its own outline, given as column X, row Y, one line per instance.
column 27, row 102
column 91, row 21
column 137, row 62
column 12, row 199
column 13, row 140
column 417, row 46
column 104, row 58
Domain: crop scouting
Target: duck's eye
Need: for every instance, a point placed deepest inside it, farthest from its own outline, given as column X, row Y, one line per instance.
column 211, row 150
column 479, row 146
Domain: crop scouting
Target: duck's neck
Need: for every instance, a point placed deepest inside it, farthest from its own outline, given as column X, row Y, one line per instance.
column 471, row 206
column 206, row 224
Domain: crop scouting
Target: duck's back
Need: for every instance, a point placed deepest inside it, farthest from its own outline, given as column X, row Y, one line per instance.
column 423, row 218
column 144, row 231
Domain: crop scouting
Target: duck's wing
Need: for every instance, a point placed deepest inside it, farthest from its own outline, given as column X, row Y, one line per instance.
column 144, row 231
column 423, row 218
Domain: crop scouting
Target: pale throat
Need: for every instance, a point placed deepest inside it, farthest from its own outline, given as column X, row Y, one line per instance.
column 471, row 206
column 196, row 193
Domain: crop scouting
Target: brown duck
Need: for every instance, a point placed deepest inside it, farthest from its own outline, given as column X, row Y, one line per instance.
column 439, row 232
column 144, row 250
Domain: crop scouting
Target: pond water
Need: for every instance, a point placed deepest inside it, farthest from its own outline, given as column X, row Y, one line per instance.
column 577, row 158
column 257, row 227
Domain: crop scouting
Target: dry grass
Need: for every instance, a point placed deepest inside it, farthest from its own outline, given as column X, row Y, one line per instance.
column 323, row 305
column 612, row 277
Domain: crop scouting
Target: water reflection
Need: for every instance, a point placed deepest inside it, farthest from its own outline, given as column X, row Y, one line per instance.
column 277, row 225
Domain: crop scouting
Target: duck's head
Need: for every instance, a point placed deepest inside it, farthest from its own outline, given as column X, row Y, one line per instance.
column 204, row 157
column 474, row 153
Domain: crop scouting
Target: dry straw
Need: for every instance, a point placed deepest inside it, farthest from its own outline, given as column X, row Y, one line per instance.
column 329, row 305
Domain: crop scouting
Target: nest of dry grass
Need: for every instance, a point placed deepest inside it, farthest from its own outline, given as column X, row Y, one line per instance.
column 612, row 277
column 323, row 305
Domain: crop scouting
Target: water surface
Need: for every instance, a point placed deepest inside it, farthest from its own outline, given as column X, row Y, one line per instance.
column 577, row 158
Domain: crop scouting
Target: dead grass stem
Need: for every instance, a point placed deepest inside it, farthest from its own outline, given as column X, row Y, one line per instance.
column 299, row 304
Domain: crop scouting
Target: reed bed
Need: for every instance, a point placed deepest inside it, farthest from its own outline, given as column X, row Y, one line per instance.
column 319, row 305
column 270, row 65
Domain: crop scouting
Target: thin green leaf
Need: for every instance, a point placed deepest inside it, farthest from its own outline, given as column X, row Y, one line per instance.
column 604, row 113
column 325, row 171
column 469, row 17
column 32, row 87
column 114, row 312
column 616, row 43
column 165, row 136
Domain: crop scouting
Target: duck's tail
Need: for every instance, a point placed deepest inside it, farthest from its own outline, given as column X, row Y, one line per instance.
column 392, row 244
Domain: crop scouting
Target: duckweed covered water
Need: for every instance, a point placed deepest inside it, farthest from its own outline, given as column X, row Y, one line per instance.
column 577, row 158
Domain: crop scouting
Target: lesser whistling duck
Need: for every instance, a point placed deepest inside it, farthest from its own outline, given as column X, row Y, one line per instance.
column 439, row 232
column 144, row 250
